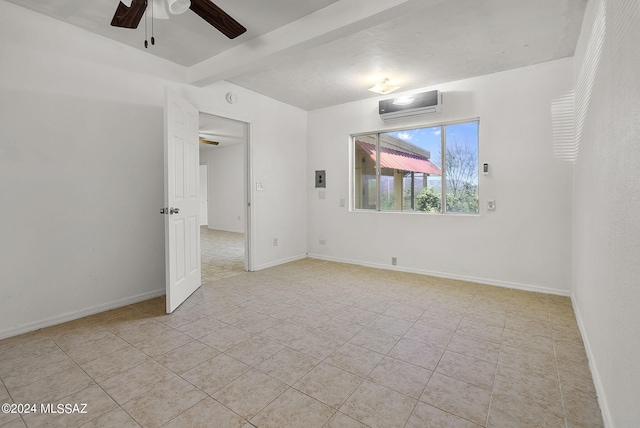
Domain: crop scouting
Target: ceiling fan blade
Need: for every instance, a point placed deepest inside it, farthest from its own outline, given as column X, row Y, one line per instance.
column 129, row 17
column 218, row 18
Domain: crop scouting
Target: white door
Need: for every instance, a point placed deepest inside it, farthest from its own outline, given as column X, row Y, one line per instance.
column 182, row 228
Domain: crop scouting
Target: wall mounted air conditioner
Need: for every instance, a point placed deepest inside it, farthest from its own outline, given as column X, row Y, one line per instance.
column 411, row 105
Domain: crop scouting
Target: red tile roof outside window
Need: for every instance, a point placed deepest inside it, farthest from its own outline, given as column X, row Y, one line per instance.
column 397, row 159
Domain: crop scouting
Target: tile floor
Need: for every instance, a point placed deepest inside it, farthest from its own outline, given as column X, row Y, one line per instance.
column 311, row 344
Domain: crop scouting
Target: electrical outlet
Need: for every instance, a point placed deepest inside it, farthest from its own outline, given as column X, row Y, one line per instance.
column 275, row 242
column 394, row 261
column 491, row 205
column 323, row 241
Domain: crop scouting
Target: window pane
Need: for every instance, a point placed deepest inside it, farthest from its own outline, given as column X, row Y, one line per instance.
column 461, row 167
column 365, row 184
column 411, row 164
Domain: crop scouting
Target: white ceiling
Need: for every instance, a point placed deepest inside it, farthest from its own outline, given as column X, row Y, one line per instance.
column 222, row 130
column 317, row 53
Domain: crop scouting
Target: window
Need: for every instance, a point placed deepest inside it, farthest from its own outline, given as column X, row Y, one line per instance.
column 407, row 171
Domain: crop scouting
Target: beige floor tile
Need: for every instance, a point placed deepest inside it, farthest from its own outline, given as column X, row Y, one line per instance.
column 225, row 338
column 529, row 360
column 375, row 340
column 83, row 352
column 528, row 325
column 529, row 388
column 143, row 332
column 284, row 332
column 378, row 406
column 445, row 322
column 507, row 412
column 339, row 329
column 340, row 420
column 468, row 369
column 254, row 350
column 250, row 393
column 136, row 381
column 256, row 323
column 417, row 353
column 114, row 418
column 425, row 415
column 497, row 319
column 316, row 345
column 391, row 325
column 201, row 327
column 163, row 343
column 475, row 347
column 293, row 409
column 288, row 365
column 35, row 368
column 163, row 402
column 186, row 357
column 404, row 312
column 314, row 311
column 357, row 316
column 528, row 341
column 53, row 387
column 85, row 405
column 480, row 330
column 354, row 359
column 581, row 405
column 400, row 376
column 431, row 335
column 114, row 363
column 467, row 401
column 205, row 414
column 328, row 384
column 215, row 373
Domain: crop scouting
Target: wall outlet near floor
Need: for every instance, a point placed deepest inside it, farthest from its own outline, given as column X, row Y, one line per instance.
column 275, row 242
column 322, row 241
column 394, row 261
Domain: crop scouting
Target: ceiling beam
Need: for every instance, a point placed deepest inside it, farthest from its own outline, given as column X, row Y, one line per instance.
column 333, row 22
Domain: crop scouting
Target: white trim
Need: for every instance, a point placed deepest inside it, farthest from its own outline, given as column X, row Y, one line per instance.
column 81, row 313
column 485, row 281
column 280, row 262
column 595, row 374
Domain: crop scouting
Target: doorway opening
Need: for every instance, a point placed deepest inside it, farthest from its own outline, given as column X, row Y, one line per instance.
column 224, row 234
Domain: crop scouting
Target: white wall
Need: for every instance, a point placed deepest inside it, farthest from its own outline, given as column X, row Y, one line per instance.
column 81, row 170
column 525, row 243
column 204, row 194
column 606, row 290
column 226, row 186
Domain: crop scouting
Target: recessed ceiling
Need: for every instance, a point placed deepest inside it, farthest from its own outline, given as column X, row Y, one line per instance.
column 317, row 53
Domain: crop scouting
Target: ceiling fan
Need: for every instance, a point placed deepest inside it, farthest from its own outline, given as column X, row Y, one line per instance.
column 129, row 14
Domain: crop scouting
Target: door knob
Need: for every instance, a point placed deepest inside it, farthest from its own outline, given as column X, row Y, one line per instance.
column 174, row 210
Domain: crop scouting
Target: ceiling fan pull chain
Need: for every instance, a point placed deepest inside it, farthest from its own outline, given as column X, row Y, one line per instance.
column 146, row 43
column 153, row 40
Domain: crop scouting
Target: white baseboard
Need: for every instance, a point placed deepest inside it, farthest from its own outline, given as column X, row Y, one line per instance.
column 279, row 262
column 70, row 316
column 498, row 283
column 223, row 229
column 595, row 374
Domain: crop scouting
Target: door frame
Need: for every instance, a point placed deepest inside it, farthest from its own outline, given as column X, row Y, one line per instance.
column 248, row 179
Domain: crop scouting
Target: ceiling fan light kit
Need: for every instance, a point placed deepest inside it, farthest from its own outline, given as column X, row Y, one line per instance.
column 129, row 13
column 177, row 7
